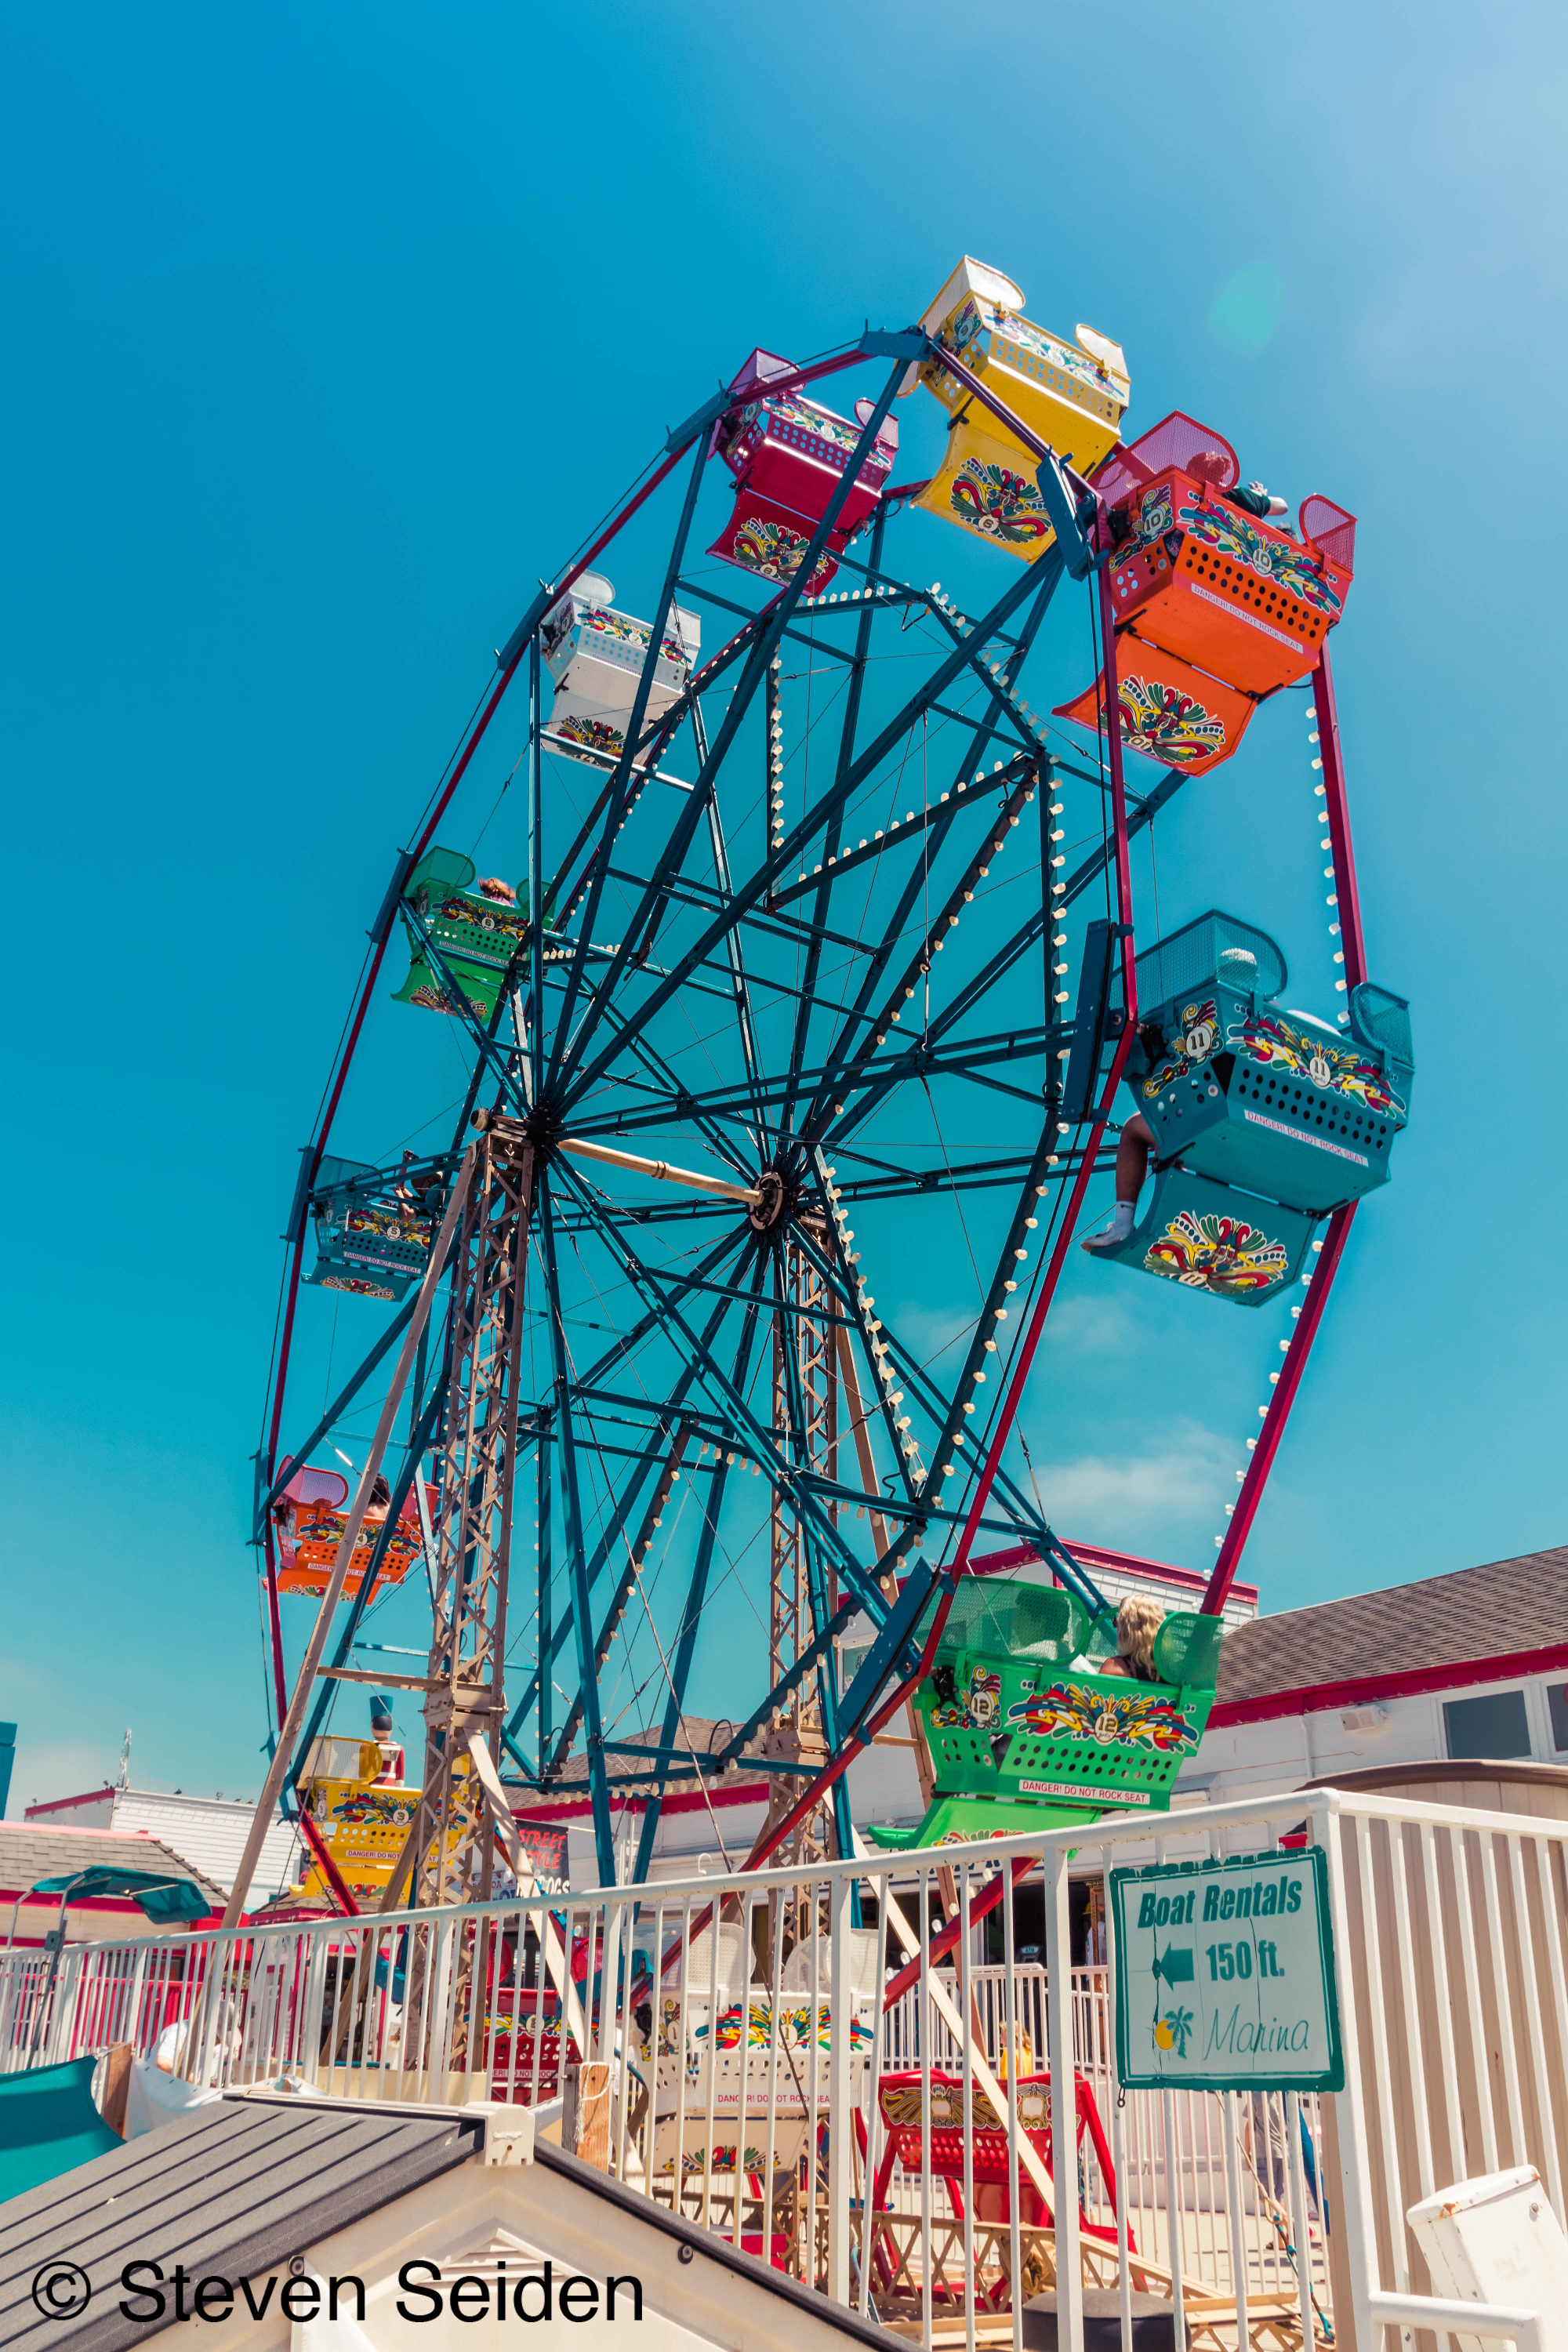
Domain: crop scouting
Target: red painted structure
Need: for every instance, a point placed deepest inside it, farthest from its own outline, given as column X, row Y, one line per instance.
column 1317, row 1289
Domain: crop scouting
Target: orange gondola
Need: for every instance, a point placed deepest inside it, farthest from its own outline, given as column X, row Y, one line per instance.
column 1216, row 604
column 310, row 1516
column 1169, row 710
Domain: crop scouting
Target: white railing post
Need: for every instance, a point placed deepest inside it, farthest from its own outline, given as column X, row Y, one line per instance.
column 873, row 2109
column 927, row 2015
column 61, row 2033
column 1064, row 2100
column 1235, row 2219
column 1299, row 2215
column 1014, row 2060
column 841, row 2124
column 1118, row 2140
column 1355, row 2213
column 1489, row 2321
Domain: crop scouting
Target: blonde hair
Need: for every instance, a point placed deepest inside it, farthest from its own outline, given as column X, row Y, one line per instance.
column 1137, row 1622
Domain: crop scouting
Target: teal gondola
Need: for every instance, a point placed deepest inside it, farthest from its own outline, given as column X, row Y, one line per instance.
column 1264, row 1118
column 372, row 1236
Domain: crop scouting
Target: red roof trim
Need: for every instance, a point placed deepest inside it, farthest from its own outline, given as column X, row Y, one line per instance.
column 1127, row 1563
column 62, row 1804
column 1318, row 1698
column 63, row 1829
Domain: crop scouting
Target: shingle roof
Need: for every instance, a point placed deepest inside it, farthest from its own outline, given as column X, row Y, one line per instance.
column 1474, row 1612
column 233, row 2194
column 29, row 1851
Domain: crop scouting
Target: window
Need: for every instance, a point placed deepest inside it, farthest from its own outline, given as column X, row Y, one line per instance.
column 1494, row 1726
column 1557, row 1701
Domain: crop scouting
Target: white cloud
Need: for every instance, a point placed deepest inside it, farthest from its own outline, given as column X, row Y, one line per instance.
column 64, row 1768
column 1093, row 1326
column 1161, row 1499
column 47, row 1768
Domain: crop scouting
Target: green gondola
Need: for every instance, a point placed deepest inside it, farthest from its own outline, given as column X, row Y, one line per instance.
column 474, row 936
column 1027, row 1729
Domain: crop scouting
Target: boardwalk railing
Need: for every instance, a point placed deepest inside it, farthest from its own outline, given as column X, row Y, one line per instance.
column 723, row 2045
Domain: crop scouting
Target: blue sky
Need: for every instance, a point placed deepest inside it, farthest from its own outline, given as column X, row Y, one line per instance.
column 331, row 330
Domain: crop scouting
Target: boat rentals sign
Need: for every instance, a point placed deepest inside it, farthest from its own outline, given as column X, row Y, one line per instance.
column 1225, row 1975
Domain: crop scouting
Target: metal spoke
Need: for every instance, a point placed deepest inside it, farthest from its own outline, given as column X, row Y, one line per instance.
column 743, row 1053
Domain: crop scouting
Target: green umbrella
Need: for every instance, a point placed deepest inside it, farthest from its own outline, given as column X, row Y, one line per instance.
column 166, row 1901
column 162, row 1898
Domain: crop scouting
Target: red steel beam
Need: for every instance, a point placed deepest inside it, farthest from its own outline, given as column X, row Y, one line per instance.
column 1339, row 821
column 1278, row 1414
column 327, row 1868
column 1301, row 1339
column 980, row 1905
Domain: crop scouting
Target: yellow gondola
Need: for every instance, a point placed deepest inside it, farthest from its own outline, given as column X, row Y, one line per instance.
column 1072, row 395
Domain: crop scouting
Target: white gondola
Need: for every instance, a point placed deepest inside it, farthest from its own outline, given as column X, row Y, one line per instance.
column 595, row 655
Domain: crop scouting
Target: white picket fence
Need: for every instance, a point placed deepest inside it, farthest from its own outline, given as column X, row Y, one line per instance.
column 684, row 2037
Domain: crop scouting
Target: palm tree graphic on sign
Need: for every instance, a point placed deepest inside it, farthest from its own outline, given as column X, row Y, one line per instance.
column 1172, row 2030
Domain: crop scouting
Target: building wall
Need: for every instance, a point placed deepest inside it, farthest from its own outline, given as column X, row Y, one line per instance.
column 1256, row 1759
column 93, row 1809
column 471, row 2221
column 212, row 1834
column 1172, row 1587
column 205, row 1831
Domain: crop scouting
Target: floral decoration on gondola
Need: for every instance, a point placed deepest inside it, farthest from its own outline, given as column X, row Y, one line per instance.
column 1166, row 723
column 775, row 551
column 795, row 2028
column 902, row 2104
column 594, row 733
column 387, row 1225
column 1077, row 1711
column 1264, row 1037
column 997, row 500
column 1224, row 1254
column 1200, row 1035
column 1223, row 527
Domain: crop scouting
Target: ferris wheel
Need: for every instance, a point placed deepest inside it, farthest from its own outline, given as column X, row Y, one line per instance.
column 814, row 912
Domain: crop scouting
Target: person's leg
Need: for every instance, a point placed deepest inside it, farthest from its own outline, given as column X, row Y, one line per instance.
column 1131, row 1167
column 1133, row 1157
